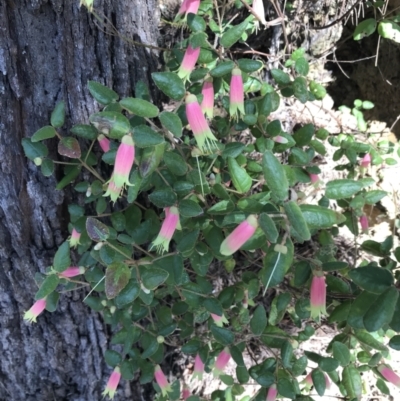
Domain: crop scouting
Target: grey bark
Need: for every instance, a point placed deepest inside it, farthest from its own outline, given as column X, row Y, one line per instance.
column 48, row 52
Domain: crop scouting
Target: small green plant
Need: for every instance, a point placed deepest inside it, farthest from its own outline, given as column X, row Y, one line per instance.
column 190, row 202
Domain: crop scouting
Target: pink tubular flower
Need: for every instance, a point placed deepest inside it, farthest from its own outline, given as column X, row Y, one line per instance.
column 389, row 375
column 72, row 271
column 258, row 10
column 112, row 383
column 236, row 95
column 366, row 160
column 185, row 393
column 272, row 391
column 162, row 381
column 242, row 233
column 104, row 143
column 318, row 296
column 207, row 105
column 167, row 229
column 113, row 191
column 280, row 139
column 188, row 6
column 198, row 368
column 364, row 223
column 36, row 309
column 124, row 161
column 314, row 178
column 188, row 62
column 221, row 362
column 219, row 320
column 74, row 239
column 198, row 124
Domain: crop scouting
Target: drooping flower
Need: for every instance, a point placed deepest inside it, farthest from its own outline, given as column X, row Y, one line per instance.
column 258, row 10
column 124, row 161
column 272, row 391
column 72, row 271
column 242, row 233
column 185, row 393
column 198, row 124
column 366, row 160
column 280, row 139
column 318, row 296
column 36, row 309
column 188, row 6
column 364, row 224
column 236, row 94
column 198, row 368
column 207, row 105
column 74, row 239
column 104, row 143
column 168, row 228
column 389, row 375
column 162, row 380
column 112, row 383
column 88, row 4
column 188, row 62
column 113, row 191
column 219, row 320
column 314, row 178
column 221, row 362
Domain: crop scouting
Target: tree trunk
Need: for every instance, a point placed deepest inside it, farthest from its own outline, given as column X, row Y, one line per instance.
column 49, row 49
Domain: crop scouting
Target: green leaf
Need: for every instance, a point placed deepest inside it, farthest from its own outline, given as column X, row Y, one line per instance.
column 189, row 208
column 222, row 207
column 111, row 123
column 232, row 35
column 318, row 217
column 340, row 189
column 364, row 28
column 296, row 219
column 304, row 135
column 374, row 196
column 171, row 122
column 47, row 287
column 33, row 150
column 318, row 379
column 395, row 342
column 151, row 158
column 69, row 177
column 328, row 364
column 285, row 388
column 233, row 149
column 222, row 335
column 139, row 107
column 101, row 93
column 57, row 118
column 275, row 176
column 241, row 180
column 258, row 321
column 144, row 137
column 381, row 312
column 196, row 23
column 302, row 272
column 341, row 353
column 153, row 277
column 286, row 354
column 84, row 131
column 352, row 382
column 128, row 294
column 301, row 66
column 222, row 68
column 112, row 358
column 389, row 30
column 269, row 228
column 62, row 258
column 52, row 301
column 47, row 167
column 170, row 84
column 69, row 147
column 372, row 279
column 281, row 265
column 300, row 89
column 248, row 65
column 163, row 197
column 300, row 366
column 117, row 277
column 175, row 163
column 318, row 91
column 281, row 78
column 96, row 230
column 367, row 340
column 213, row 306
column 46, row 132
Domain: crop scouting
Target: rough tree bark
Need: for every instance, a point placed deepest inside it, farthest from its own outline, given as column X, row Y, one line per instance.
column 49, row 49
